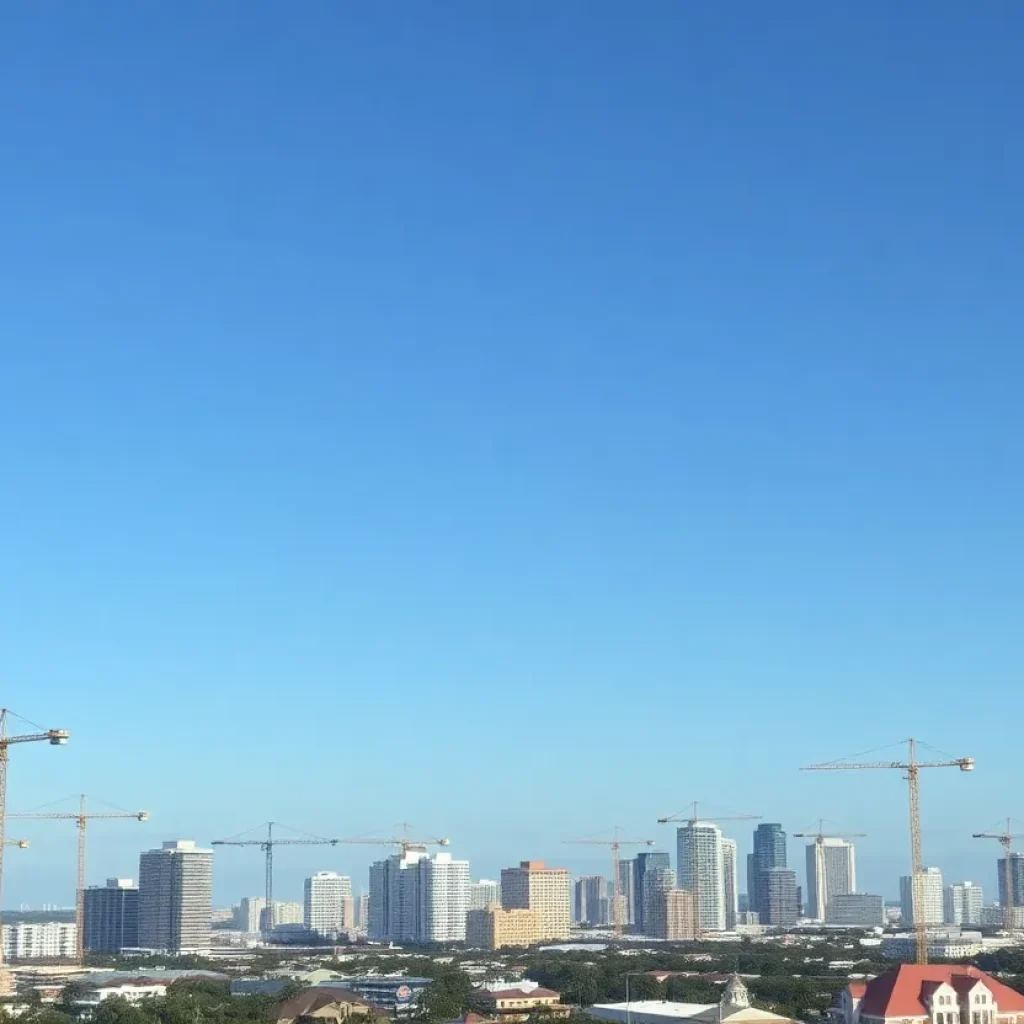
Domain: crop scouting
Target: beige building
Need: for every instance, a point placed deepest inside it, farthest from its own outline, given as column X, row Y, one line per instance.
column 517, row 1004
column 496, row 928
column 534, row 886
column 669, row 915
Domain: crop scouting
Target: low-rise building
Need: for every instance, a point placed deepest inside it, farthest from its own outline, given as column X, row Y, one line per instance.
column 496, row 928
column 855, row 910
column 950, row 944
column 929, row 994
column 323, row 1003
column 134, row 990
column 44, row 940
column 517, row 1004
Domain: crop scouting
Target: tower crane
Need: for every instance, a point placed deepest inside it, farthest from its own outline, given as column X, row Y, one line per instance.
column 1006, row 840
column 692, row 820
column 617, row 900
column 912, row 767
column 404, row 843
column 267, row 846
column 55, row 737
column 81, row 817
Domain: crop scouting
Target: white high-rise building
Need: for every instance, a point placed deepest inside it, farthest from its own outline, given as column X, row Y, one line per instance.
column 699, row 850
column 932, row 897
column 175, row 897
column 42, row 940
column 250, row 914
column 483, row 893
column 444, row 898
column 285, row 912
column 416, row 898
column 831, row 871
column 729, row 880
column 327, row 904
column 962, row 903
column 394, row 905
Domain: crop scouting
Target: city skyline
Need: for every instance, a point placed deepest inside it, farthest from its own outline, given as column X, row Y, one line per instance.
column 594, row 354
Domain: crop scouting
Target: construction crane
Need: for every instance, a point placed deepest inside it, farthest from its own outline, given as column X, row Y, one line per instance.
column 692, row 820
column 912, row 767
column 404, row 843
column 55, row 737
column 820, row 882
column 617, row 900
column 1006, row 839
column 267, row 846
column 81, row 817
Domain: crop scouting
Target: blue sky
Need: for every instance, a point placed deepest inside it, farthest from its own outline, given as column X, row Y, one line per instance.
column 515, row 419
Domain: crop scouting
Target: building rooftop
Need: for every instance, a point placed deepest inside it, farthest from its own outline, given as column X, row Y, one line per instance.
column 899, row 992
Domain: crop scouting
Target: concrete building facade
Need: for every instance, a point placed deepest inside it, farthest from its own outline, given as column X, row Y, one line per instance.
column 855, row 910
column 444, row 898
column 497, row 928
column 699, row 868
column 590, row 900
column 644, row 862
column 175, row 897
column 769, row 852
column 931, row 889
column 962, row 903
column 44, row 940
column 110, row 916
column 831, row 870
column 327, row 904
column 483, row 893
column 779, row 899
column 534, row 886
column 731, row 883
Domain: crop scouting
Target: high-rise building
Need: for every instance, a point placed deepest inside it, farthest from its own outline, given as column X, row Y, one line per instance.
column 831, row 870
column 286, row 912
column 483, row 893
column 1016, row 879
column 779, row 897
column 645, row 862
column 627, row 890
column 931, row 888
column 699, row 849
column 657, row 882
column 175, row 897
column 110, row 916
column 855, row 910
column 769, row 852
column 250, row 914
column 394, row 904
column 533, row 886
column 444, row 898
column 327, row 904
column 732, row 894
column 495, row 928
column 418, row 898
column 962, row 903
column 678, row 915
column 591, row 900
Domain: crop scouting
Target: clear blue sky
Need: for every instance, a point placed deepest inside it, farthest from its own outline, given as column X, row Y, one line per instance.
column 515, row 419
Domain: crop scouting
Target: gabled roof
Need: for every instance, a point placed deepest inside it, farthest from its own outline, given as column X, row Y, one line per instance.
column 316, row 998
column 899, row 992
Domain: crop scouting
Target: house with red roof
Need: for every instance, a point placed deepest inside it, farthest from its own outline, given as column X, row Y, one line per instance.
column 930, row 994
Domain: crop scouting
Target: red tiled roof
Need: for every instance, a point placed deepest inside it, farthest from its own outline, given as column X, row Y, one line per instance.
column 898, row 992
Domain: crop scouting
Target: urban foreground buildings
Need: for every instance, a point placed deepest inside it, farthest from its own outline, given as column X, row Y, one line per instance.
column 700, row 868
column 110, row 916
column 175, row 897
column 931, row 891
column 327, row 904
column 831, row 870
column 933, row 994
column 534, row 886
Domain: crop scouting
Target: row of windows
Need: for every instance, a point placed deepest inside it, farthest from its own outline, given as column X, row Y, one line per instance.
column 954, row 1017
